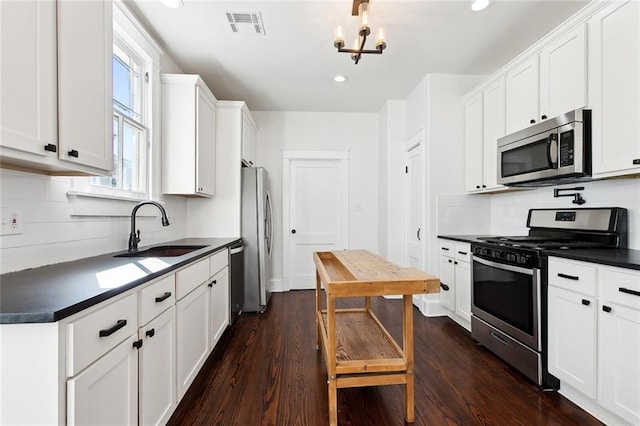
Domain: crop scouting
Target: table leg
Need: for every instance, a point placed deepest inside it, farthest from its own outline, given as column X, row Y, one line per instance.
column 333, row 402
column 367, row 303
column 318, row 309
column 407, row 347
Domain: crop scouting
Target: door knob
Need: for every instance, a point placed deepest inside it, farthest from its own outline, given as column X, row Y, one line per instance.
column 293, row 231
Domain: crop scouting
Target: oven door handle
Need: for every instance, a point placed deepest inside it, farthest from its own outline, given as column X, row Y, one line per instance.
column 504, row 266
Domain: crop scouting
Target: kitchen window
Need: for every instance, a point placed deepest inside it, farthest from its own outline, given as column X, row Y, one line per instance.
column 135, row 69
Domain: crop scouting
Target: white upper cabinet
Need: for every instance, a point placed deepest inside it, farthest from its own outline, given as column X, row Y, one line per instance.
column 522, row 95
column 55, row 85
column 484, row 124
column 614, row 88
column 548, row 84
column 473, row 143
column 28, row 106
column 563, row 71
column 85, row 95
column 248, row 138
column 493, row 128
column 188, row 136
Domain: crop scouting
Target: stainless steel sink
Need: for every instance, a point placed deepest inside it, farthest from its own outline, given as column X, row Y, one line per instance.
column 162, row 251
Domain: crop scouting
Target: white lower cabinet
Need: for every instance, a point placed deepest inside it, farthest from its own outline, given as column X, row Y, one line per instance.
column 193, row 334
column 594, row 337
column 157, row 361
column 619, row 343
column 572, row 339
column 107, row 391
column 219, row 302
column 455, row 280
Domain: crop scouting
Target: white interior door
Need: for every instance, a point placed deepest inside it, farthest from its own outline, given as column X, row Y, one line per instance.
column 316, row 215
column 415, row 208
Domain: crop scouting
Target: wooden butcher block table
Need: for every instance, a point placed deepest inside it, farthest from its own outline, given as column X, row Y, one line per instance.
column 358, row 350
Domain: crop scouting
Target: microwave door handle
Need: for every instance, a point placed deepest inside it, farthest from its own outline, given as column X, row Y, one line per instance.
column 552, row 151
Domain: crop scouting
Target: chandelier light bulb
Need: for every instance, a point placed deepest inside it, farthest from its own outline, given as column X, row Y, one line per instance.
column 380, row 38
column 339, row 34
column 363, row 16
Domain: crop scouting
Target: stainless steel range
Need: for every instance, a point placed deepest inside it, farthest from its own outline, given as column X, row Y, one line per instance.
column 509, row 281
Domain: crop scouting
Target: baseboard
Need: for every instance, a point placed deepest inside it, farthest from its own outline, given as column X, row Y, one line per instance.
column 590, row 406
column 461, row 321
column 277, row 285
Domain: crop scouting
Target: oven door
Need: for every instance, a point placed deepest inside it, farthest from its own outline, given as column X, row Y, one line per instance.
column 532, row 158
column 508, row 298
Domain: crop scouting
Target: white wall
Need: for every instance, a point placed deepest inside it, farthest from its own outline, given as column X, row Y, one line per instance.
column 318, row 131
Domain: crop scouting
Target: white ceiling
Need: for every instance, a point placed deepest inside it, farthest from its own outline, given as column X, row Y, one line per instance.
column 292, row 67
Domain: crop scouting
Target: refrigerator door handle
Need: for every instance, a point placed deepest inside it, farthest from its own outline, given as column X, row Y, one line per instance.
column 269, row 227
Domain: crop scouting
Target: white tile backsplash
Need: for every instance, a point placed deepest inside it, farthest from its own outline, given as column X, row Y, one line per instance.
column 52, row 234
column 506, row 213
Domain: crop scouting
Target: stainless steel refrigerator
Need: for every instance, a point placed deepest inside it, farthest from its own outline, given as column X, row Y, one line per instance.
column 257, row 229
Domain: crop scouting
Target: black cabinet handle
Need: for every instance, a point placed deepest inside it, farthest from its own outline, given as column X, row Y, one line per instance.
column 51, row 147
column 450, row 260
column 629, row 291
column 110, row 331
column 484, row 186
column 213, row 282
column 73, row 153
column 569, row 277
column 585, row 302
column 164, row 297
column 477, row 186
column 636, row 161
column 444, row 248
column 464, row 253
column 544, row 117
column 606, row 308
column 532, row 121
column 137, row 344
column 150, row 333
column 455, row 262
column 444, row 286
column 293, row 231
column 418, row 234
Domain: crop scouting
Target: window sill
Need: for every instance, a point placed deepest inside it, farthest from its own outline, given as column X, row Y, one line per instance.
column 95, row 204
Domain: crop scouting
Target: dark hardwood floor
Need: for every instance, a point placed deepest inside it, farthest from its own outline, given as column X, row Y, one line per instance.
column 266, row 371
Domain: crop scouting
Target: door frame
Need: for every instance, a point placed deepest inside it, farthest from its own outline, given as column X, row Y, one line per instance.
column 287, row 157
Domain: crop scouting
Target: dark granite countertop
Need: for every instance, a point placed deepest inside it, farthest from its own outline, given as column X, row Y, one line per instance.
column 623, row 258
column 51, row 293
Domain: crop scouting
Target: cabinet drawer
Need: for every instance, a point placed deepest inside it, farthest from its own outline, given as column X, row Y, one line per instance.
column 573, row 276
column 446, row 247
column 191, row 277
column 93, row 335
column 462, row 252
column 620, row 286
column 218, row 261
column 154, row 299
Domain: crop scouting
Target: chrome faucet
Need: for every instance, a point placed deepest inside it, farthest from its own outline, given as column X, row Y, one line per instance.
column 134, row 238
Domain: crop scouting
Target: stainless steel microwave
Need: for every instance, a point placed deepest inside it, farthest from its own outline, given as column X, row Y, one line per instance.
column 554, row 151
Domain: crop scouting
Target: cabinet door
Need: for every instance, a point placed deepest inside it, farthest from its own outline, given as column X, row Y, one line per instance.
column 192, row 336
column 614, row 88
column 85, row 98
column 473, row 143
column 619, row 362
column 157, row 361
column 563, row 70
column 522, row 95
column 493, row 128
column 206, row 140
column 572, row 339
column 447, row 283
column 28, row 109
column 463, row 289
column 248, row 141
column 107, row 391
column 219, row 294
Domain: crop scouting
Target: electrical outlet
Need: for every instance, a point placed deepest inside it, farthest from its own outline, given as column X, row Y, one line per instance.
column 11, row 221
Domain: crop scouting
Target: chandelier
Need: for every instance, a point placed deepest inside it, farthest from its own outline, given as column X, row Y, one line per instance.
column 360, row 9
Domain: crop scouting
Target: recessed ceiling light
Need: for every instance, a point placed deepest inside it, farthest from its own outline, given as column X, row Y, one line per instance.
column 340, row 78
column 479, row 5
column 174, row 4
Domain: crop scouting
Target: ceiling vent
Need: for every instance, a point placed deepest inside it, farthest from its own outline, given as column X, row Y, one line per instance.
column 246, row 22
